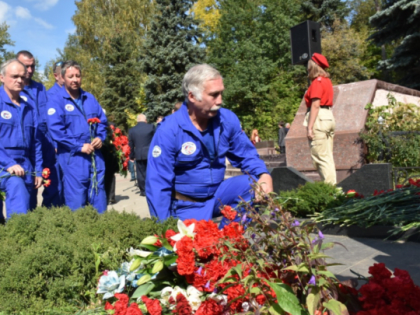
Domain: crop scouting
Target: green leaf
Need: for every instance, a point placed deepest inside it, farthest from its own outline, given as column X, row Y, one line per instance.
column 166, row 244
column 286, row 299
column 144, row 289
column 336, row 307
column 318, row 256
column 169, row 260
column 150, row 247
column 327, row 273
column 312, row 300
column 255, row 290
column 292, row 268
column 303, row 267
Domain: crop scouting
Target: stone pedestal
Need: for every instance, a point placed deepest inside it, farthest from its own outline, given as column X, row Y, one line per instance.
column 350, row 115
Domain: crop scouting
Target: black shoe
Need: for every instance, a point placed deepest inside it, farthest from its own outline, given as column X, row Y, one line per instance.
column 132, row 180
column 111, row 202
column 143, row 194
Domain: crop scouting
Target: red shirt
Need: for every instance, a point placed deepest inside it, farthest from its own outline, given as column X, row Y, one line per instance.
column 320, row 88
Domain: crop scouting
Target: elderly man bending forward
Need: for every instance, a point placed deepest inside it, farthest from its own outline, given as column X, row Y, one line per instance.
column 186, row 163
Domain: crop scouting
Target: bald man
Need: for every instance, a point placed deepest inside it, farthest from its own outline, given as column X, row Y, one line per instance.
column 139, row 138
column 20, row 144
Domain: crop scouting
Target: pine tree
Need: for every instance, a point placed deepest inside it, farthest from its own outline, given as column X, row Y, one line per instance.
column 121, row 81
column 169, row 51
column 399, row 21
column 324, row 11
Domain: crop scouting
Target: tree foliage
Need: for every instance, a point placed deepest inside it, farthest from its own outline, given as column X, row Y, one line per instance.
column 121, row 82
column 399, row 22
column 171, row 48
column 345, row 49
column 251, row 48
column 4, row 41
column 208, row 13
column 325, row 12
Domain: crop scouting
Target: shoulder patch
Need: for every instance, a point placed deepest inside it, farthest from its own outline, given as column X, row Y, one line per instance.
column 157, row 151
column 51, row 111
column 6, row 115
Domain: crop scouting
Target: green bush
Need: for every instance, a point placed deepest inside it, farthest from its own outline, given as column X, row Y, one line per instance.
column 311, row 198
column 50, row 259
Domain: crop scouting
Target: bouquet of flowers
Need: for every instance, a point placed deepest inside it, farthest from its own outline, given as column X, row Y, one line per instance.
column 123, row 149
column 203, row 270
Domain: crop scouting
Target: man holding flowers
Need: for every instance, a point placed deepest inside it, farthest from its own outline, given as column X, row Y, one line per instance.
column 20, row 142
column 186, row 163
column 77, row 123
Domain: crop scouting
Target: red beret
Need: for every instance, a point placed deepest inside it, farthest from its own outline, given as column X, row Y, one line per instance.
column 320, row 60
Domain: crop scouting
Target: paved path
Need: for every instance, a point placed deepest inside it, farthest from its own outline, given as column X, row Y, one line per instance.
column 359, row 254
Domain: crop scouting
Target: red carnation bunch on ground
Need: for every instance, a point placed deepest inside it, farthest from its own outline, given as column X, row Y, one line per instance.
column 384, row 294
column 121, row 307
column 228, row 213
column 123, row 149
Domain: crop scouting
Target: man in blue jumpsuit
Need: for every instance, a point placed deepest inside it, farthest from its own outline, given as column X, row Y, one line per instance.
column 186, row 163
column 20, row 144
column 58, row 176
column 68, row 114
column 35, row 93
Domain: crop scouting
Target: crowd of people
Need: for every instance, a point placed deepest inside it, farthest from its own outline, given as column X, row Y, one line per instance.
column 180, row 162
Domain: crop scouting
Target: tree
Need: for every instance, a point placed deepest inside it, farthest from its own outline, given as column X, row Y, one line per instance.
column 169, row 51
column 345, row 49
column 399, row 22
column 208, row 13
column 5, row 40
column 325, row 12
column 121, row 82
column 251, row 49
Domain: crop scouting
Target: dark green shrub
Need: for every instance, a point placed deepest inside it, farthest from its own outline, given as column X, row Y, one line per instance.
column 50, row 259
column 311, row 198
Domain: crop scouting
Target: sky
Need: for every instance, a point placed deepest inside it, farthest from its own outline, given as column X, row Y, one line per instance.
column 40, row 26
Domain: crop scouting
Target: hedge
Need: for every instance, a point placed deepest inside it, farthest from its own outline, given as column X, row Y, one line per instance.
column 50, row 259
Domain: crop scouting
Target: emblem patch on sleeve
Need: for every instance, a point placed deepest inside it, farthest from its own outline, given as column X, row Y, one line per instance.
column 156, row 151
column 51, row 111
column 6, row 115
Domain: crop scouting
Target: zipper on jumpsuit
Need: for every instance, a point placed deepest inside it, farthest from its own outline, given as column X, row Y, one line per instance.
column 84, row 115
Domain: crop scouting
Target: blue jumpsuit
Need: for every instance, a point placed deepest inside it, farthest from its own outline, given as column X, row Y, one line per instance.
column 36, row 94
column 68, row 126
column 20, row 143
column 56, row 173
column 180, row 161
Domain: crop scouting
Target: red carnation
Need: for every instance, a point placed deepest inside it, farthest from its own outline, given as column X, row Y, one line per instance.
column 133, row 309
column 47, row 182
column 228, row 213
column 92, row 121
column 209, row 307
column 152, row 305
column 112, row 127
column 108, row 306
column 117, row 130
column 46, row 172
column 185, row 261
column 182, row 306
column 122, row 297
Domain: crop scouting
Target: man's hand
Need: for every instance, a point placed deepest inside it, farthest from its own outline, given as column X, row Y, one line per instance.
column 265, row 183
column 17, row 170
column 38, row 182
column 132, row 160
column 87, row 148
column 97, row 143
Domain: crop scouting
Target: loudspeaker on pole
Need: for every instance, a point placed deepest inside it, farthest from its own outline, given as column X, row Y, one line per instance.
column 305, row 40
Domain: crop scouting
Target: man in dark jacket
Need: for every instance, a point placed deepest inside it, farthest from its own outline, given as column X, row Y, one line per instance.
column 139, row 138
column 282, row 137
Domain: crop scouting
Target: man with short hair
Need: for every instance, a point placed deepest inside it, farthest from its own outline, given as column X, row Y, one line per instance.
column 139, row 138
column 59, row 81
column 35, row 93
column 78, row 137
column 186, row 164
column 20, row 145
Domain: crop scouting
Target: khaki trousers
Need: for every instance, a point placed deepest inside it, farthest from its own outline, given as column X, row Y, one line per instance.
column 322, row 145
